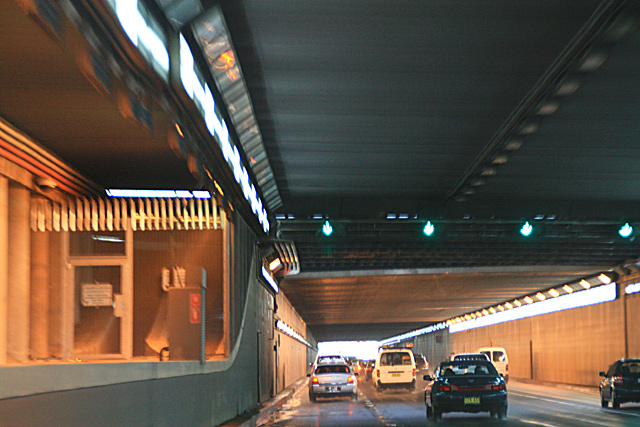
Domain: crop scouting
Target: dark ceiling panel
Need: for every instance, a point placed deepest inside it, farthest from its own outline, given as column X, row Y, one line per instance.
column 391, row 107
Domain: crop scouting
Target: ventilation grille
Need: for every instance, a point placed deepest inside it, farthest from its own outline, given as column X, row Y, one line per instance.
column 122, row 214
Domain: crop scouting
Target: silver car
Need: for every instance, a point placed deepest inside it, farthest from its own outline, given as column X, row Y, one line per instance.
column 332, row 380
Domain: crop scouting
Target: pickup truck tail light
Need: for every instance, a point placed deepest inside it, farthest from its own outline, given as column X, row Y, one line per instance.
column 315, row 380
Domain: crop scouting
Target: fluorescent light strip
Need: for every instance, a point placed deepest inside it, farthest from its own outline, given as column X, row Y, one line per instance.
column 270, row 280
column 632, row 288
column 159, row 194
column 281, row 326
column 591, row 296
column 415, row 333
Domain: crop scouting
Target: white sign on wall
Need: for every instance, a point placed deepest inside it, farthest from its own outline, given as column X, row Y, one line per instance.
column 96, row 295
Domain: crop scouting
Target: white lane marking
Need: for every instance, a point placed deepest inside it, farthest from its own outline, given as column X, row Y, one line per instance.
column 528, row 396
column 538, row 423
column 618, row 412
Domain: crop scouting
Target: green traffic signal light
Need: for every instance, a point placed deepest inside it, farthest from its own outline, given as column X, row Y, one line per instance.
column 327, row 229
column 526, row 229
column 428, row 229
column 625, row 231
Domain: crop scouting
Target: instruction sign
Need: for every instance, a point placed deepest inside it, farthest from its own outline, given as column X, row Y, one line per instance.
column 195, row 314
column 96, row 295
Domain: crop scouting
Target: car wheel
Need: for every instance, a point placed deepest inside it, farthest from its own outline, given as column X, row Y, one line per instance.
column 429, row 412
column 502, row 413
column 312, row 397
column 492, row 413
column 615, row 403
column 354, row 397
column 604, row 403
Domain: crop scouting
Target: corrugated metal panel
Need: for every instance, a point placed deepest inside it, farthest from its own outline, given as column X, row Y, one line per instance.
column 114, row 213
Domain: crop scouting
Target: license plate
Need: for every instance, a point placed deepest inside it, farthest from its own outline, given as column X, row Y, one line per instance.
column 333, row 389
column 395, row 375
column 471, row 400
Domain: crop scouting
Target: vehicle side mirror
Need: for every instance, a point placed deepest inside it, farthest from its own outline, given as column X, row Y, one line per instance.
column 308, row 375
column 427, row 377
column 603, row 374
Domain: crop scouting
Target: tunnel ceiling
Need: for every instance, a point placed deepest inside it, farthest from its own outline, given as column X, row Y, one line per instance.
column 474, row 115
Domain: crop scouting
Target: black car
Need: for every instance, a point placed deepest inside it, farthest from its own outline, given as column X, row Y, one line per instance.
column 466, row 386
column 621, row 383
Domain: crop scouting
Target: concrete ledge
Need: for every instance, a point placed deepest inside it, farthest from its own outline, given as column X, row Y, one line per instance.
column 574, row 387
column 263, row 413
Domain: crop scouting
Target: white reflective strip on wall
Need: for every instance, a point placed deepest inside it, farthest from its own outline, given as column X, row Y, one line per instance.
column 114, row 214
column 123, row 213
column 73, row 219
column 48, row 216
column 110, row 206
column 87, row 214
column 64, row 216
column 102, row 215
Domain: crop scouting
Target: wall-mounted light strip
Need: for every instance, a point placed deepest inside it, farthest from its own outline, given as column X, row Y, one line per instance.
column 202, row 97
column 632, row 288
column 144, row 32
column 158, row 194
column 412, row 334
column 270, row 281
column 595, row 295
column 283, row 327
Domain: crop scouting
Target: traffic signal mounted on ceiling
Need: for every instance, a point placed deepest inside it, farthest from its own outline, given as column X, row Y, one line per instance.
column 327, row 228
column 527, row 229
column 428, row 229
column 626, row 231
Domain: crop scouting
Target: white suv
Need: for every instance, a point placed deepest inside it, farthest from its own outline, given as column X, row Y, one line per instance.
column 394, row 368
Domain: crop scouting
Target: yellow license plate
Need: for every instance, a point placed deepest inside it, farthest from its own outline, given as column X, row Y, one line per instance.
column 471, row 400
column 395, row 375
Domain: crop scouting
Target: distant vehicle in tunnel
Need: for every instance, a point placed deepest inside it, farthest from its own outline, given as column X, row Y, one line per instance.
column 330, row 358
column 469, row 356
column 333, row 380
column 368, row 370
column 421, row 362
column 621, row 383
column 498, row 356
column 394, row 368
column 465, row 386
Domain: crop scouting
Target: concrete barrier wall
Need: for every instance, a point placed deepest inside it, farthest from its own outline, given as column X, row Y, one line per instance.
column 292, row 354
column 569, row 347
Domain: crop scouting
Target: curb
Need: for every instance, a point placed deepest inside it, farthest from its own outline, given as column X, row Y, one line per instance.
column 264, row 411
column 578, row 388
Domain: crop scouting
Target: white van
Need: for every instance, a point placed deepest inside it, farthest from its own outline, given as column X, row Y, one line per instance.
column 394, row 368
column 498, row 356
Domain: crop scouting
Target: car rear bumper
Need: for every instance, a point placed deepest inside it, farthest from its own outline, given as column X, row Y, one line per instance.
column 333, row 390
column 627, row 394
column 456, row 403
column 410, row 384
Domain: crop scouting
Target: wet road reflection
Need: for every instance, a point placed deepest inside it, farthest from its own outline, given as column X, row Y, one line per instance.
column 529, row 405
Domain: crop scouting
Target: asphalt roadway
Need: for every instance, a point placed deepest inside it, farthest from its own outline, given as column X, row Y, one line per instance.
column 530, row 404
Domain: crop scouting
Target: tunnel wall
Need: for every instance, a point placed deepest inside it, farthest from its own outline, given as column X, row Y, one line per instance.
column 570, row 346
column 291, row 354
